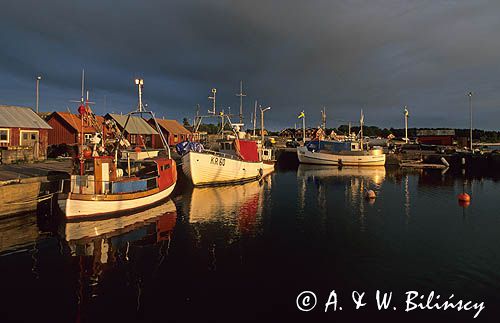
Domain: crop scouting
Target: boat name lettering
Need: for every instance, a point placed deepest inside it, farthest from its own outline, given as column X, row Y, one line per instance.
column 218, row 161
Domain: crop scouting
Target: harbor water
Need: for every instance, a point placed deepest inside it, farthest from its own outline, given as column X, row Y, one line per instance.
column 246, row 252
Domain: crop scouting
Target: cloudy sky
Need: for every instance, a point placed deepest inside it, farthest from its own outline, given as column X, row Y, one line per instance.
column 346, row 55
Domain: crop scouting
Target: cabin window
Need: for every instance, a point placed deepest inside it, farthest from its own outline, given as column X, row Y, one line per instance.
column 176, row 138
column 4, row 135
column 266, row 152
column 133, row 139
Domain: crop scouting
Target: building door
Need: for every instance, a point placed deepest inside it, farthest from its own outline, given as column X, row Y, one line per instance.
column 30, row 139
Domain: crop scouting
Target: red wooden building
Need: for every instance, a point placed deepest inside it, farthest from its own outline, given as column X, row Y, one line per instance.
column 23, row 134
column 440, row 137
column 173, row 131
column 67, row 127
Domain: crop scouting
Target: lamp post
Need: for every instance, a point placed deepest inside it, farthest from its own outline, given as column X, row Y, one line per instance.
column 470, row 108
column 406, row 124
column 262, row 123
column 38, row 78
column 140, row 84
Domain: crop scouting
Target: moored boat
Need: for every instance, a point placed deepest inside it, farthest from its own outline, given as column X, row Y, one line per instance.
column 238, row 160
column 340, row 153
column 106, row 184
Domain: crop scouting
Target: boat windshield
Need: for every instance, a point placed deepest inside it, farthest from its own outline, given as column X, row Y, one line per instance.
column 332, row 146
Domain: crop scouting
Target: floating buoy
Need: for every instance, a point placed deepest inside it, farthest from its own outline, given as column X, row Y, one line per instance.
column 464, row 197
column 370, row 194
column 137, row 149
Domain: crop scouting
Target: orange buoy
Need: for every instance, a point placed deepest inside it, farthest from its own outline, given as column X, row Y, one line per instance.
column 87, row 153
column 464, row 197
column 370, row 194
column 137, row 149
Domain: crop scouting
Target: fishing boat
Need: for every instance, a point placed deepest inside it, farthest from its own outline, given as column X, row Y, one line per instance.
column 112, row 179
column 238, row 159
column 349, row 152
column 340, row 153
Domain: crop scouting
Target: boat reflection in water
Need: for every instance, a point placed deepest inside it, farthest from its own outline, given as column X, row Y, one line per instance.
column 354, row 182
column 77, row 232
column 236, row 206
column 119, row 247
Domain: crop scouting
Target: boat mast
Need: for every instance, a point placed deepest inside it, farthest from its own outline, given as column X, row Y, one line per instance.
column 241, row 95
column 254, row 117
column 81, row 109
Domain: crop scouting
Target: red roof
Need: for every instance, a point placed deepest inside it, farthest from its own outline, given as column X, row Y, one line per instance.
column 172, row 126
column 75, row 122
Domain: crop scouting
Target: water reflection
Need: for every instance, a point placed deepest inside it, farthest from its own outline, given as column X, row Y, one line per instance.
column 237, row 206
column 18, row 232
column 117, row 244
column 355, row 183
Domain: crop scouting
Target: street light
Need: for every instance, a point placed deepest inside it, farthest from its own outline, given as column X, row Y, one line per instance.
column 140, row 83
column 262, row 122
column 470, row 108
column 38, row 78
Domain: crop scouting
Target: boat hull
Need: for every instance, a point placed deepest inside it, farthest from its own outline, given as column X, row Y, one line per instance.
column 75, row 207
column 366, row 159
column 211, row 169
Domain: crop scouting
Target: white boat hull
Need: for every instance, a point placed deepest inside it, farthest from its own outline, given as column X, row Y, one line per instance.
column 308, row 157
column 74, row 208
column 208, row 169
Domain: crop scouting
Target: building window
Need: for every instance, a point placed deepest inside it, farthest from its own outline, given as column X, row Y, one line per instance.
column 87, row 137
column 4, row 135
column 133, row 139
column 175, row 138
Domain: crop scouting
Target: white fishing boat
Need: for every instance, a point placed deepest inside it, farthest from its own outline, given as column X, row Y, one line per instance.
column 340, row 153
column 350, row 152
column 238, row 159
column 104, row 184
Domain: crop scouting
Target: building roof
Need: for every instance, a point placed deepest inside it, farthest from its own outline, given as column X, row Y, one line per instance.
column 172, row 126
column 135, row 126
column 74, row 121
column 435, row 132
column 20, row 117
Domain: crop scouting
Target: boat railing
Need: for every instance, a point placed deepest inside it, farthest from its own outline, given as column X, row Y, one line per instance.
column 86, row 184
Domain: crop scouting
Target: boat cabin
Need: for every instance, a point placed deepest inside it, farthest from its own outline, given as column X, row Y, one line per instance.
column 248, row 150
column 101, row 175
column 333, row 146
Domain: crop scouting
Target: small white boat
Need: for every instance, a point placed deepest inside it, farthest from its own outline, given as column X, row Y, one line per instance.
column 340, row 153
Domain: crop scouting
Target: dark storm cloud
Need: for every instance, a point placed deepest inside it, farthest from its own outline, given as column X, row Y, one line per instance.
column 292, row 55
